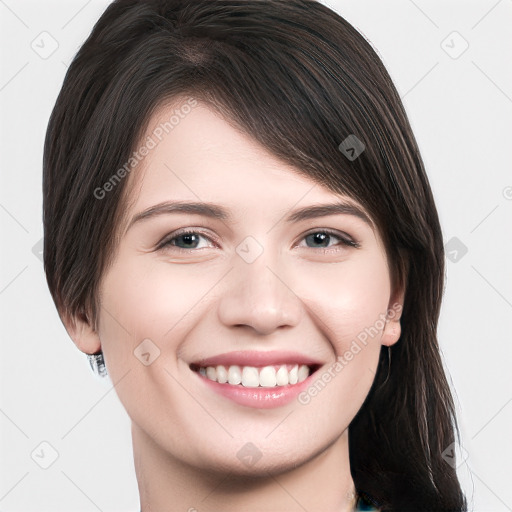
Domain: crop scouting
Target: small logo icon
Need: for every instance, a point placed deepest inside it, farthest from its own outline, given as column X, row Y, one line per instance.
column 45, row 45
column 37, row 250
column 44, row 455
column 249, row 454
column 352, row 147
column 249, row 249
column 454, row 45
column 146, row 352
column 455, row 249
column 455, row 455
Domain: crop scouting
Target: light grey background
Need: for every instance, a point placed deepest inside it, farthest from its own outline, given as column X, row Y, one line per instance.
column 459, row 104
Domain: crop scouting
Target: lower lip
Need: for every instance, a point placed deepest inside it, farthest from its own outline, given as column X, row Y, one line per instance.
column 260, row 397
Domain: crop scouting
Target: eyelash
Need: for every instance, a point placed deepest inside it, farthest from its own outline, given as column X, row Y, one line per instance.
column 336, row 234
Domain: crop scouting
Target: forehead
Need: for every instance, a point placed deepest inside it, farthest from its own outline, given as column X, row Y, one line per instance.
column 196, row 155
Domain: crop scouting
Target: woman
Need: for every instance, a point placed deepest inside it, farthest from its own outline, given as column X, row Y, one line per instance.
column 197, row 153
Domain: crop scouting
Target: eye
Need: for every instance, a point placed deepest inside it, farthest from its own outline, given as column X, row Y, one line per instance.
column 189, row 238
column 324, row 236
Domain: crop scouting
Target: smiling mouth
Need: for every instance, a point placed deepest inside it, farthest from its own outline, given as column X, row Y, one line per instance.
column 253, row 376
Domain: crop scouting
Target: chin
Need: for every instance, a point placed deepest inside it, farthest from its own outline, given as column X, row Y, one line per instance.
column 249, row 460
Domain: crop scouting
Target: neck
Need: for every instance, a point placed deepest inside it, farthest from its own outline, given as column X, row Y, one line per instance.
column 322, row 483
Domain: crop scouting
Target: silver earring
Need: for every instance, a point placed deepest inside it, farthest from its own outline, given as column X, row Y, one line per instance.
column 97, row 364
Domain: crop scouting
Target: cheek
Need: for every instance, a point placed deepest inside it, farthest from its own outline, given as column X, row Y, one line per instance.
column 146, row 300
column 151, row 297
column 349, row 306
column 349, row 298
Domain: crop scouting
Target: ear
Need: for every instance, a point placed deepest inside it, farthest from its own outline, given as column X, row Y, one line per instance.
column 82, row 332
column 392, row 329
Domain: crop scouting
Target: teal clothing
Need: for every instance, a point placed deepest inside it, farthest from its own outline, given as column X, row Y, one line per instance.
column 364, row 505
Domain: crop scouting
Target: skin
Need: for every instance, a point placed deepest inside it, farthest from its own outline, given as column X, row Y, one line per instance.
column 208, row 300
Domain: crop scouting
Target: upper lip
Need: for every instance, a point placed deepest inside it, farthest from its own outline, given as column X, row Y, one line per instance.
column 257, row 358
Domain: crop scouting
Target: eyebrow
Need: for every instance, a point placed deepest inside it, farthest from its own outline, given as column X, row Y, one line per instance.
column 216, row 211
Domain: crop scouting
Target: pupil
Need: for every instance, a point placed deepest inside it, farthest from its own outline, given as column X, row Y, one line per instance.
column 320, row 237
column 187, row 238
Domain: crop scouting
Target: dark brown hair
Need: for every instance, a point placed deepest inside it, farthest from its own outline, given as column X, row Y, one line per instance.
column 299, row 79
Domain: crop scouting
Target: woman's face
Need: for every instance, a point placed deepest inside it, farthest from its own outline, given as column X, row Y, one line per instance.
column 262, row 281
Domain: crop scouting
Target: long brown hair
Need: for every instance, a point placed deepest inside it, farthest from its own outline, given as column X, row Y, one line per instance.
column 299, row 79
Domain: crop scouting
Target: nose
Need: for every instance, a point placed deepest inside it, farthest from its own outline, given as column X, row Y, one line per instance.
column 259, row 297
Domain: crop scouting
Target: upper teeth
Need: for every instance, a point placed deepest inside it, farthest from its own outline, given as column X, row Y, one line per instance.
column 250, row 376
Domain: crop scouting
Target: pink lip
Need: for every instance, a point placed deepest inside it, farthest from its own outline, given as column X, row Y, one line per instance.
column 260, row 398
column 257, row 358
